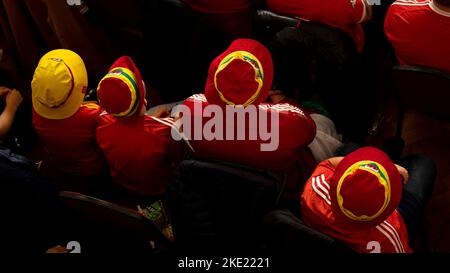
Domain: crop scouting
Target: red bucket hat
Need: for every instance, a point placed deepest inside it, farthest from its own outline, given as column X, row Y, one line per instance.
column 122, row 92
column 366, row 188
column 242, row 75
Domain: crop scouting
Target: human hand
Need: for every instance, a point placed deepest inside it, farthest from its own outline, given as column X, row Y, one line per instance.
column 57, row 250
column 4, row 90
column 13, row 98
column 161, row 113
column 404, row 173
column 335, row 161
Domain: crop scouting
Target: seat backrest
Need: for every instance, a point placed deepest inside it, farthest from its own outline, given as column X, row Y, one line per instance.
column 284, row 231
column 267, row 23
column 116, row 224
column 219, row 205
column 424, row 90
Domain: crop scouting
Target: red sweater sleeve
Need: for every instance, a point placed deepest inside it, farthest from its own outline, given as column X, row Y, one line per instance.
column 296, row 126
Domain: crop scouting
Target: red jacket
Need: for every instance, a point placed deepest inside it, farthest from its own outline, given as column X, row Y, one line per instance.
column 345, row 15
column 296, row 131
column 140, row 150
column 390, row 236
column 420, row 34
column 70, row 143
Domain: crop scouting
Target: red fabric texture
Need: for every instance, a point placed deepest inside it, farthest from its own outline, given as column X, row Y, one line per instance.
column 115, row 100
column 237, row 80
column 114, row 95
column 141, row 152
column 366, row 186
column 296, row 131
column 419, row 34
column 389, row 236
column 362, row 192
column 70, row 143
column 341, row 14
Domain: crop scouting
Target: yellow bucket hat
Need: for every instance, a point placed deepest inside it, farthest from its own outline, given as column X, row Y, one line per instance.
column 59, row 84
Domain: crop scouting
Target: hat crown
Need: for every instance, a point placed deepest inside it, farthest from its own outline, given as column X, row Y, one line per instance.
column 242, row 75
column 59, row 84
column 364, row 192
column 239, row 78
column 366, row 189
column 52, row 82
column 122, row 92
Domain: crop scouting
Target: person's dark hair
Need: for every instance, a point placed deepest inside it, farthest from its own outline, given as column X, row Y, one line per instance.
column 445, row 3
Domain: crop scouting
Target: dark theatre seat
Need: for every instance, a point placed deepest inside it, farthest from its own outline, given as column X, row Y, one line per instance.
column 220, row 206
column 426, row 91
column 109, row 228
column 286, row 233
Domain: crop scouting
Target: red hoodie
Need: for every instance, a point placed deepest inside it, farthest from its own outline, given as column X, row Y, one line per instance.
column 233, row 74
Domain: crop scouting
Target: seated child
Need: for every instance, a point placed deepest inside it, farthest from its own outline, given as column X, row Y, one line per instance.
column 139, row 148
column 248, row 130
column 65, row 124
column 359, row 200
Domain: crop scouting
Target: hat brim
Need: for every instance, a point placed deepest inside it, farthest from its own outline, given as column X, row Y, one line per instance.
column 80, row 78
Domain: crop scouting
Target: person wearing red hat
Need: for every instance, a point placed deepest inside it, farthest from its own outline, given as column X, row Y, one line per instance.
column 360, row 200
column 240, row 79
column 139, row 148
column 419, row 31
column 346, row 15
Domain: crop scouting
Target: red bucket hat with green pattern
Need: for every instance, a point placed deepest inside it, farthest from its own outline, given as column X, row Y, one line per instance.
column 366, row 189
column 242, row 75
column 122, row 91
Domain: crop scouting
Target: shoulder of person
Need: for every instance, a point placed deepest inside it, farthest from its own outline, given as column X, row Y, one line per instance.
column 409, row 5
column 170, row 122
column 197, row 97
column 283, row 108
